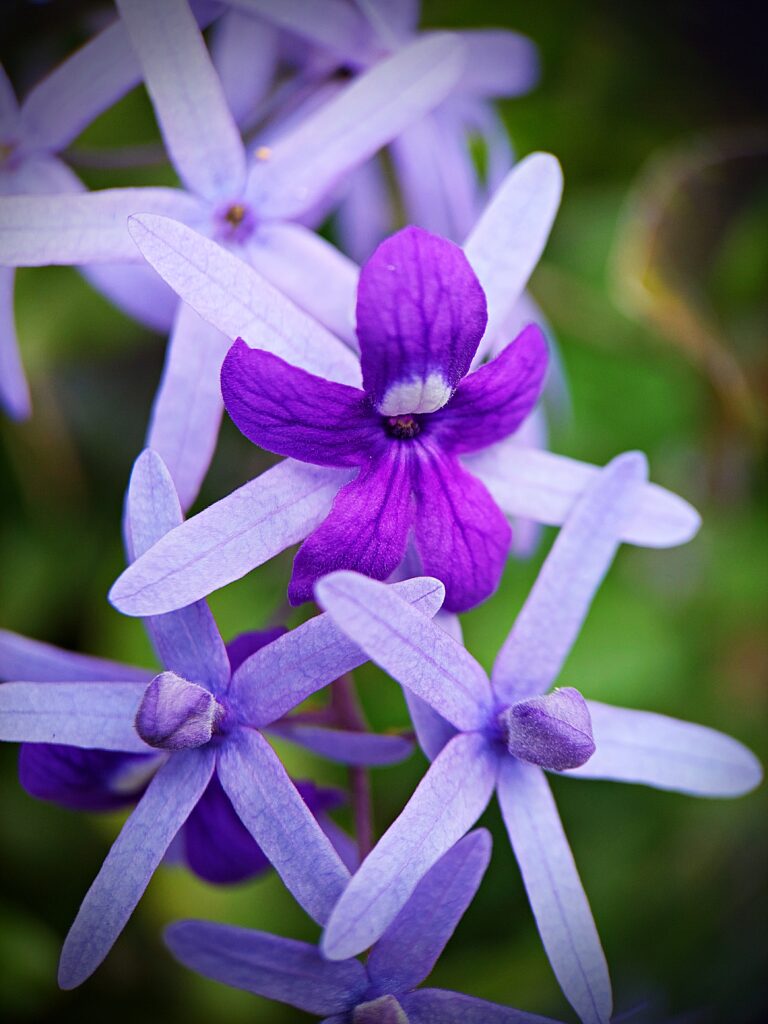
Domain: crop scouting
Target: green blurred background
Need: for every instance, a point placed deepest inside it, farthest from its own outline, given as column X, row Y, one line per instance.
column 655, row 282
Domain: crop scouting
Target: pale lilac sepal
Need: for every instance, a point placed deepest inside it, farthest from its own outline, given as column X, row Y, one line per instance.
column 382, row 1010
column 345, row 747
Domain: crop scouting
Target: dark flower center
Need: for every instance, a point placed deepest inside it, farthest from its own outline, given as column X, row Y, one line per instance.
column 402, row 427
column 234, row 222
column 235, row 215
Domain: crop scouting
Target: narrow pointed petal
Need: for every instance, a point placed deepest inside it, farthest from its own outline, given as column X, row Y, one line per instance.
column 311, row 272
column 554, row 889
column 87, row 83
column 9, row 108
column 492, row 402
column 85, row 780
column 187, row 641
column 499, row 63
column 533, row 654
column 366, row 529
column 294, row 413
column 642, row 747
column 335, row 25
column 37, row 662
column 400, row 16
column 437, row 1006
column 132, row 861
column 281, row 969
column 187, row 410
column 364, row 217
column 279, row 677
column 137, row 291
column 507, row 241
column 14, row 390
column 89, row 228
column 411, row 946
column 408, row 646
column 448, row 801
column 91, row 715
column 432, row 730
column 461, row 534
column 232, row 296
column 544, row 487
column 272, row 810
column 244, row 52
column 307, row 162
column 420, row 316
column 200, row 133
column 228, row 539
column 344, row 747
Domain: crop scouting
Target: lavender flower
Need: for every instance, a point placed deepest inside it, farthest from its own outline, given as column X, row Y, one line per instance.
column 207, row 721
column 250, row 206
column 381, row 991
column 499, row 735
column 288, row 502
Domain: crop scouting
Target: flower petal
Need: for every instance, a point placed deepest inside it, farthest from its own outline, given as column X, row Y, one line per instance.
column 244, row 645
column 187, row 410
column 291, row 412
column 245, row 53
column 281, row 969
column 137, row 291
column 187, row 641
column 232, row 296
column 420, row 316
column 84, row 780
column 200, row 134
column 448, row 801
column 460, row 533
column 14, row 390
column 411, row 946
column 343, row 746
column 279, row 677
column 554, row 889
column 336, row 25
column 408, row 646
column 492, row 402
column 228, row 539
column 272, row 810
column 93, row 715
column 542, row 486
column 9, row 108
column 131, row 862
column 364, row 216
column 311, row 272
column 642, row 747
column 507, row 241
column 366, row 529
column 36, row 662
column 89, row 228
column 545, row 630
column 437, row 1006
column 499, row 63
column 308, row 161
column 432, row 730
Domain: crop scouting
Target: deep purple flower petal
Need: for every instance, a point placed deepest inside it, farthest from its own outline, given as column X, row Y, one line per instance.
column 410, row 947
column 461, row 535
column 420, row 316
column 437, row 1006
column 131, row 862
column 280, row 676
column 267, row 965
column 271, row 808
column 491, row 403
column 448, row 801
column 83, row 780
column 245, row 644
column 291, row 412
column 366, row 529
column 554, row 889
column 553, row 731
column 642, row 747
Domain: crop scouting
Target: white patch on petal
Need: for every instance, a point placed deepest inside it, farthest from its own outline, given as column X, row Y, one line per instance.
column 418, row 395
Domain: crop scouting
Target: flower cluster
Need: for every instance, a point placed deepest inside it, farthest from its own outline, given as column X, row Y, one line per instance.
column 404, row 397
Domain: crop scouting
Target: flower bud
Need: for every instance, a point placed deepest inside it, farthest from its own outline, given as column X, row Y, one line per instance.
column 175, row 714
column 554, row 731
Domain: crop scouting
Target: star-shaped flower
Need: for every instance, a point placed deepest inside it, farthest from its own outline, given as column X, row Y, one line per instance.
column 383, row 990
column 504, row 733
column 208, row 721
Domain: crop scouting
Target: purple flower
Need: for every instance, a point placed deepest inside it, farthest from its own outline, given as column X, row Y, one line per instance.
column 289, row 501
column 207, row 721
column 381, row 991
column 250, row 206
column 420, row 317
column 498, row 735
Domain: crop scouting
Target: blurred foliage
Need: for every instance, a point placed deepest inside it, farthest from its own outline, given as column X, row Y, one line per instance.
column 653, row 277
